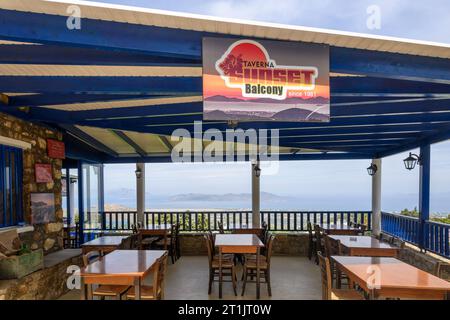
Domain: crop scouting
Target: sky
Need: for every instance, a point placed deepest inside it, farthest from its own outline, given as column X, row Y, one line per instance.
column 320, row 185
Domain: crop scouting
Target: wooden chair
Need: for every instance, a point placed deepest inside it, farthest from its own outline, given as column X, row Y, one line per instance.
column 250, row 267
column 156, row 290
column 319, row 240
column 362, row 229
column 311, row 241
column 398, row 242
column 126, row 244
column 328, row 292
column 172, row 242
column 220, row 225
column 334, row 248
column 228, row 268
column 102, row 291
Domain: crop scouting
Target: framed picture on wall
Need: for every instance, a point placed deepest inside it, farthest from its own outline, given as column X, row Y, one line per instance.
column 42, row 208
column 43, row 172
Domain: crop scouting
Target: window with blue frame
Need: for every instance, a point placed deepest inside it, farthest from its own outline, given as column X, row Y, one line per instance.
column 10, row 186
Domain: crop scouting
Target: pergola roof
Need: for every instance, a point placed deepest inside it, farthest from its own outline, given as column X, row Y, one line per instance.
column 129, row 77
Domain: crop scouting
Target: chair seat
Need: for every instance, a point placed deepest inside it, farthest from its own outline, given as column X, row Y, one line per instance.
column 251, row 264
column 227, row 256
column 146, row 292
column 149, row 240
column 110, row 290
column 161, row 242
column 225, row 263
column 342, row 294
column 252, row 257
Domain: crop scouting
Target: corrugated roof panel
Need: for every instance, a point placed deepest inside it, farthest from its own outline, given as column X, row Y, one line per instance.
column 109, row 139
column 150, row 143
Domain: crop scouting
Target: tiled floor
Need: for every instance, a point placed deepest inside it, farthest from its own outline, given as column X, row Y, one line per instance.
column 292, row 278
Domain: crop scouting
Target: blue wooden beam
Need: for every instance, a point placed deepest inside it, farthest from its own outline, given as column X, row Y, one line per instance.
column 125, row 85
column 63, row 55
column 186, row 44
column 389, row 65
column 284, row 157
column 51, row 29
column 193, row 85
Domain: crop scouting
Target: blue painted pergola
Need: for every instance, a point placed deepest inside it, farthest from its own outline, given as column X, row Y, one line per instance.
column 131, row 71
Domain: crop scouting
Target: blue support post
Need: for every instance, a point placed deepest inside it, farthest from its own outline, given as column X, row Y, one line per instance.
column 80, row 203
column 424, row 195
column 68, row 206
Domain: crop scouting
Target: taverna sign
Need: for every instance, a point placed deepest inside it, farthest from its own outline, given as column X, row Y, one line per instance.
column 265, row 80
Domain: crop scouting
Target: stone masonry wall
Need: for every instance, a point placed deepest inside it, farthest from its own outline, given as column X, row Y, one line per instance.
column 47, row 236
column 46, row 284
column 290, row 244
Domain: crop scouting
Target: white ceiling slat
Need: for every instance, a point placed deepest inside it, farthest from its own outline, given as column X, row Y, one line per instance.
column 99, row 71
column 136, row 103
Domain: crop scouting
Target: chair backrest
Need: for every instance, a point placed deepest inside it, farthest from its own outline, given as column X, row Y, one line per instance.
column 309, row 227
column 325, row 270
column 317, row 233
column 90, row 257
column 209, row 247
column 269, row 246
column 332, row 247
column 159, row 276
column 126, row 243
column 398, row 242
column 220, row 225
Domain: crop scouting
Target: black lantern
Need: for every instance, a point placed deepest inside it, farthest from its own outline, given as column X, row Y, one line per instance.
column 411, row 161
column 257, row 171
column 372, row 169
column 138, row 173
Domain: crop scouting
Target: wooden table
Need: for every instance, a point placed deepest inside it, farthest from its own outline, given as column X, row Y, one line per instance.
column 103, row 244
column 162, row 230
column 366, row 246
column 338, row 229
column 390, row 277
column 239, row 243
column 121, row 267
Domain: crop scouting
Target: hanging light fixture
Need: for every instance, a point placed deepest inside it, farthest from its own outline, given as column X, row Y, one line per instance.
column 372, row 169
column 411, row 161
column 257, row 171
column 138, row 173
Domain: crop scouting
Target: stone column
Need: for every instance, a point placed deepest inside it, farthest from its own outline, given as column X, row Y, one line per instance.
column 376, row 198
column 256, row 217
column 140, row 192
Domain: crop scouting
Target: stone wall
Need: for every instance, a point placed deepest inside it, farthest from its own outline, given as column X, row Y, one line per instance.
column 46, row 284
column 289, row 244
column 47, row 236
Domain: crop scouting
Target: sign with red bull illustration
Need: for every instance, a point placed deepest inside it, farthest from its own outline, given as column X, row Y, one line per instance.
column 245, row 80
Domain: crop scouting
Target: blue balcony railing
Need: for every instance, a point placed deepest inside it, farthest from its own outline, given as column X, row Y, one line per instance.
column 436, row 235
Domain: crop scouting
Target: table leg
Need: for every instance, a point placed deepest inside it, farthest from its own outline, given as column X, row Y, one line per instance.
column 83, row 288
column 137, row 288
column 220, row 273
column 257, row 274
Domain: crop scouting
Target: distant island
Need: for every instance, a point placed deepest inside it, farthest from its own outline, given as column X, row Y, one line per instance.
column 224, row 197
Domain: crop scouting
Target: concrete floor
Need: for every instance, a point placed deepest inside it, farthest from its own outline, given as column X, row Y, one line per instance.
column 293, row 278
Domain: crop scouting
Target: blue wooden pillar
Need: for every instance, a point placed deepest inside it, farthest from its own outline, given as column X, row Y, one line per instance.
column 424, row 194
column 68, row 206
column 80, row 202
